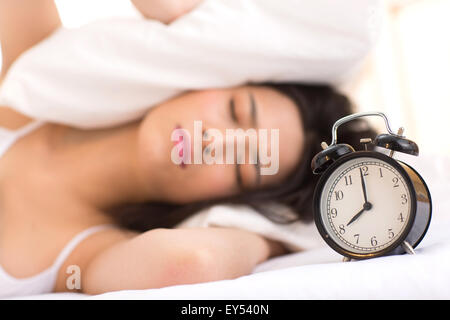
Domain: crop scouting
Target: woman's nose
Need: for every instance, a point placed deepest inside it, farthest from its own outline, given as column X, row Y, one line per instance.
column 214, row 139
column 211, row 140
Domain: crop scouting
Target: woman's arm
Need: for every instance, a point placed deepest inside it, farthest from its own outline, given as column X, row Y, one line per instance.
column 24, row 23
column 165, row 11
column 165, row 257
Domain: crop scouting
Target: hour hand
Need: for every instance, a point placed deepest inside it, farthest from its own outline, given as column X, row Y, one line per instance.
column 366, row 207
column 356, row 216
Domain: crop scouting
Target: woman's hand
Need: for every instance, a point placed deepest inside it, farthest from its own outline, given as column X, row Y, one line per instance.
column 276, row 248
column 165, row 11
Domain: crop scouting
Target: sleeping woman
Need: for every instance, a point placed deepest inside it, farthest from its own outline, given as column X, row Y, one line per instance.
column 104, row 203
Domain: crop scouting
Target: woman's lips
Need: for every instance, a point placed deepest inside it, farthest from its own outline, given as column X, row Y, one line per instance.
column 181, row 144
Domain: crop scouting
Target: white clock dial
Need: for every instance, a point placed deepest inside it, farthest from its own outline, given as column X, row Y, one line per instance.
column 365, row 224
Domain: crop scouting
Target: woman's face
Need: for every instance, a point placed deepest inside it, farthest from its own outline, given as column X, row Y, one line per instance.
column 208, row 114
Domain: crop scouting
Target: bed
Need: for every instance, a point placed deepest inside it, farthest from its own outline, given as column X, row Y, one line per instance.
column 319, row 273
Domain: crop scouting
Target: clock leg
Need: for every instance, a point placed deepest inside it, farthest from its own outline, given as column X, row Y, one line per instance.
column 346, row 259
column 408, row 248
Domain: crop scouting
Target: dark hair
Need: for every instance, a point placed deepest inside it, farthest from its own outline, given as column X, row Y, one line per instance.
column 320, row 106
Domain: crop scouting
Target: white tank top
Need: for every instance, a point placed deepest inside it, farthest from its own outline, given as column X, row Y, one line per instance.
column 8, row 137
column 45, row 281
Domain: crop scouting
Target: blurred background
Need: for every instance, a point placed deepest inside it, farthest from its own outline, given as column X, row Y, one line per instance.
column 407, row 73
column 405, row 76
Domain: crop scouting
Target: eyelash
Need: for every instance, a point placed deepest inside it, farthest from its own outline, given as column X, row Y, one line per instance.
column 234, row 117
column 233, row 110
column 239, row 176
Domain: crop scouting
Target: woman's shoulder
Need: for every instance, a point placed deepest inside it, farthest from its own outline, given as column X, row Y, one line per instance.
column 11, row 119
column 57, row 248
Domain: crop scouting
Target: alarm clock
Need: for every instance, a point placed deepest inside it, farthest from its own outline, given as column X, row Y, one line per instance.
column 368, row 204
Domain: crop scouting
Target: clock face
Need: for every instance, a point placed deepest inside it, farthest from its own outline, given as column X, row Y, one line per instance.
column 365, row 206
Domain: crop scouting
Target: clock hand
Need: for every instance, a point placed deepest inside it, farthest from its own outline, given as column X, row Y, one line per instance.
column 367, row 206
column 356, row 216
column 363, row 186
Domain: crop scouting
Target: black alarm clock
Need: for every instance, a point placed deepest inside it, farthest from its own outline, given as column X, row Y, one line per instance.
column 368, row 204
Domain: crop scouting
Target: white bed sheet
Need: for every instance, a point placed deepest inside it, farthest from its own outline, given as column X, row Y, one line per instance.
column 319, row 273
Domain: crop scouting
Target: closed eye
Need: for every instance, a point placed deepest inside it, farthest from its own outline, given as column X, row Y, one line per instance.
column 232, row 106
column 239, row 181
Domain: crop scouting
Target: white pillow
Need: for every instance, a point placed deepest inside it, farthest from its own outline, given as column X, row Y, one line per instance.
column 110, row 72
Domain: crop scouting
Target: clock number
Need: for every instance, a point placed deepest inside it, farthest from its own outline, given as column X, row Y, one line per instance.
column 357, row 237
column 373, row 241
column 390, row 233
column 365, row 170
column 348, row 180
column 400, row 218
column 339, row 195
column 404, row 199
column 341, row 229
column 395, row 181
column 333, row 213
column 381, row 173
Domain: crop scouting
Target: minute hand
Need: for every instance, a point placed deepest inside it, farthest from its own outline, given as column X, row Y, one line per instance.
column 363, row 186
